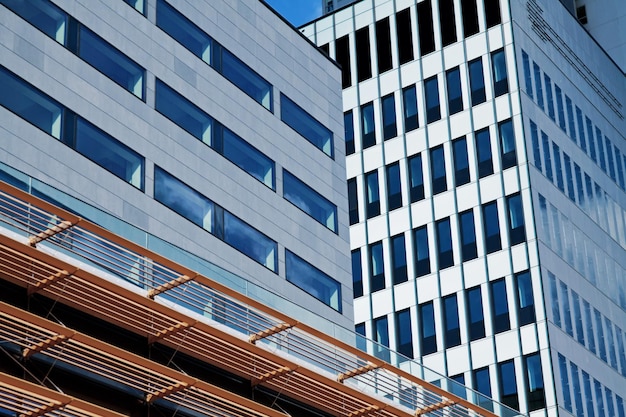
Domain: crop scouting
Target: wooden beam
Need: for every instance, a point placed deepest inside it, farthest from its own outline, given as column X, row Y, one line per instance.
column 271, row 375
column 356, row 372
column 40, row 285
column 169, row 331
column 266, row 333
column 433, row 407
column 169, row 285
column 38, row 412
column 364, row 411
column 46, row 344
column 48, row 233
column 172, row 389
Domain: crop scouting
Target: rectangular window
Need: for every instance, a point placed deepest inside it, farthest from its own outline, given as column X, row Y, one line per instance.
column 578, row 318
column 477, row 81
column 469, row 11
column 368, row 130
column 361, row 340
column 428, row 340
column 381, row 337
column 609, row 401
column 565, row 309
column 567, row 163
column 394, row 190
column 348, row 130
column 554, row 300
column 372, row 207
column 475, row 312
column 499, row 73
column 389, row 117
column 357, row 274
column 309, row 201
column 599, row 398
column 249, row 241
column 409, row 100
column 534, row 382
column 468, row 235
column 527, row 74
column 591, row 337
column 482, row 384
column 517, row 231
column 461, row 161
column 492, row 12
column 383, row 45
column 363, row 54
column 425, row 25
column 398, row 259
column 453, row 85
column 416, row 178
column 508, row 154
column 609, row 157
column 353, row 201
column 422, row 252
column 525, row 299
column 588, row 395
column 438, row 170
column 621, row 412
column 592, row 142
column 404, row 337
column 601, row 156
column 405, row 36
column 559, row 107
column 44, row 15
column 138, row 5
column 500, row 305
column 600, row 330
column 491, row 227
column 447, row 22
column 303, row 123
column 342, row 56
column 570, row 118
column 580, row 192
column 172, row 22
column 581, row 130
column 377, row 267
column 534, row 134
column 620, row 169
column 578, row 394
column 433, row 108
column 508, row 384
column 451, row 321
column 483, row 151
column 444, row 244
column 545, row 141
column 538, row 85
column 610, row 343
column 621, row 350
column 313, row 281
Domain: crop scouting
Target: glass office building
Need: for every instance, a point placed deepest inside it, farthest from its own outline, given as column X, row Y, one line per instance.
column 486, row 169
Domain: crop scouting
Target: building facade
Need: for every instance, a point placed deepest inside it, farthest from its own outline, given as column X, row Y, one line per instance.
column 486, row 161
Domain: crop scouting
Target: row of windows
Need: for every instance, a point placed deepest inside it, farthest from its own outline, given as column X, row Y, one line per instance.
column 593, row 262
column 433, row 112
column 483, row 162
column 65, row 125
column 577, row 185
column 573, row 122
column 587, row 325
column 382, row 32
column 585, row 396
column 444, row 246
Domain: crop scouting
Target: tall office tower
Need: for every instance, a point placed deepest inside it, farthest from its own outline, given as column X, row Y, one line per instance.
column 486, row 158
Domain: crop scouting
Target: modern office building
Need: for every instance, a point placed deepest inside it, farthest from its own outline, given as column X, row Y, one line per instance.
column 486, row 161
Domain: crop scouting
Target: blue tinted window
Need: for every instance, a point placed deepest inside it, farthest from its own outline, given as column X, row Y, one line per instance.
column 416, row 178
column 591, row 337
column 451, row 321
column 580, row 192
column 581, row 130
column 600, row 333
column 348, row 126
column 461, row 162
column 444, row 243
column 303, row 123
column 361, row 341
column 398, row 259
column 138, row 5
column 507, row 144
column 476, row 315
column 610, row 343
column 559, row 106
column 517, row 230
column 381, row 336
column 601, row 155
column 357, row 273
column 565, row 308
column 570, row 118
column 183, row 31
column 389, row 117
column 491, row 227
column 482, row 384
column 527, row 75
column 428, row 334
column 534, row 382
column 483, row 150
column 549, row 97
column 245, row 156
column 453, row 85
column 609, row 157
column 368, row 130
column 546, row 155
column 422, row 254
column 500, row 306
column 592, row 141
column 588, row 395
column 565, row 386
column 372, row 194
column 431, row 89
column 620, row 406
column 500, row 77
column 353, row 201
column 309, row 201
column 534, row 134
column 438, row 170
column 477, row 81
column 313, row 281
column 554, row 299
column 609, row 401
column 578, row 318
column 620, row 169
column 567, row 164
column 250, row 242
column 394, row 190
column 558, row 167
column 377, row 267
column 409, row 99
column 468, row 235
column 508, row 384
column 576, row 388
column 44, row 15
column 538, row 85
column 599, row 398
column 621, row 350
column 525, row 299
column 404, row 337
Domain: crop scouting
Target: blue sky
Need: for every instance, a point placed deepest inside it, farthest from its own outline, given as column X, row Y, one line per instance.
column 297, row 12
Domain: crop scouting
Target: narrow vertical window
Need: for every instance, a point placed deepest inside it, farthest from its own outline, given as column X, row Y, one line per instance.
column 508, row 384
column 381, row 336
column 517, row 230
column 398, row 259
column 377, row 267
column 591, row 334
column 383, row 45
column 576, row 388
column 469, row 11
column 492, row 12
column 578, row 318
column 482, row 384
column 453, row 85
column 461, row 161
column 394, row 190
column 372, row 194
column 405, row 36
column 588, row 395
column 468, row 235
column 348, row 126
column 477, row 81
column 357, row 274
column 416, row 178
column 600, row 330
column 422, row 252
column 592, row 141
column 528, row 82
column 491, row 227
column 525, row 299
column 438, row 170
column 599, row 398
column 547, row 159
column 353, row 201
column 610, row 343
column 609, row 157
column 475, row 312
column 559, row 107
column 567, row 163
column 581, row 130
column 601, row 156
column 483, row 151
column 409, row 100
column 534, row 382
column 500, row 305
column 390, row 129
column 538, row 86
column 620, row 169
column 404, row 337
column 428, row 333
column 580, row 192
column 451, row 321
column 534, row 134
column 447, row 22
column 361, row 340
column 565, row 309
column 368, row 130
column 508, row 154
column 570, row 118
column 554, row 300
column 342, row 55
column 425, row 25
column 363, row 55
column 444, row 244
column 499, row 73
column 433, row 108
